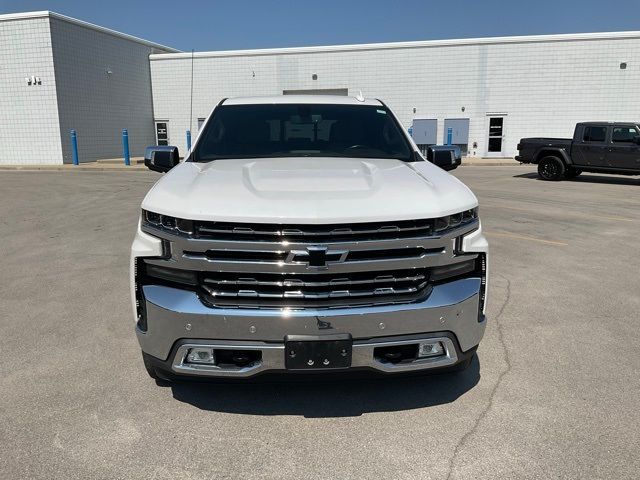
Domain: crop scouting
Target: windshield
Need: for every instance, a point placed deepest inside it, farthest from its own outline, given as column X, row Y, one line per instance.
column 309, row 130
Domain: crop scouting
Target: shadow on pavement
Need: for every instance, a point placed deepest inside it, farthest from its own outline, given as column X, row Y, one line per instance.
column 585, row 178
column 324, row 398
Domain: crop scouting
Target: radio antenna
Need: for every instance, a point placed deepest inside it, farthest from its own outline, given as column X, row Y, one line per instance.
column 191, row 99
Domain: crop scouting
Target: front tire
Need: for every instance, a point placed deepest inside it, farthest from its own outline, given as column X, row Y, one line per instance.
column 153, row 373
column 551, row 168
column 463, row 365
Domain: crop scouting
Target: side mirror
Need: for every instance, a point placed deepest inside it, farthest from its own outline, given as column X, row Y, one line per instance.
column 161, row 158
column 636, row 140
column 446, row 157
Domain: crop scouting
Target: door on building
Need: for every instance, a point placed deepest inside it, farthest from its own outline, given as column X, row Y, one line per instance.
column 162, row 133
column 459, row 133
column 495, row 143
column 424, row 132
column 624, row 151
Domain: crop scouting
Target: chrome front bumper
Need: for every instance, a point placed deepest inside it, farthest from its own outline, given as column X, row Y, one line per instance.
column 273, row 357
column 177, row 318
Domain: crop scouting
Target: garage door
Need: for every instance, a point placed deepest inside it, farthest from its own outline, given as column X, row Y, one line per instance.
column 424, row 131
column 459, row 133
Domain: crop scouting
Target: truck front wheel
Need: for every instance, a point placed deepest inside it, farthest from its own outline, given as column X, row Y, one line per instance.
column 152, row 371
column 462, row 366
column 551, row 168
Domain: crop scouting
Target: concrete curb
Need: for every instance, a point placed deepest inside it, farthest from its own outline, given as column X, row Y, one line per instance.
column 72, row 168
column 491, row 164
column 120, row 161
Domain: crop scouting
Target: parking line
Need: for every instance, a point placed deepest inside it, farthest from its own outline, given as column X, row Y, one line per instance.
column 525, row 237
column 565, row 213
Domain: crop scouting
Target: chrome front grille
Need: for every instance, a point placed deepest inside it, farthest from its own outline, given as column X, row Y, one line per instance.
column 311, row 266
column 281, row 256
column 313, row 289
column 312, row 233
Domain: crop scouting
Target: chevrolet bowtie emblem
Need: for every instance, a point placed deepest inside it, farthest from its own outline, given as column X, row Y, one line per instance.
column 317, row 257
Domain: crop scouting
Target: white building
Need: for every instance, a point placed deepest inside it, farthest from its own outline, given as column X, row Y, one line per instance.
column 60, row 73
column 503, row 88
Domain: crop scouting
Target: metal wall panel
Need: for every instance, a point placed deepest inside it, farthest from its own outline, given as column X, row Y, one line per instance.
column 460, row 130
column 425, row 131
column 29, row 127
column 103, row 85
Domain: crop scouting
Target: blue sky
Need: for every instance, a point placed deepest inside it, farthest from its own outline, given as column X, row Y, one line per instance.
column 223, row 25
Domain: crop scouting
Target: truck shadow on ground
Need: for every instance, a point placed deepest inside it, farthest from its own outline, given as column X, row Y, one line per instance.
column 589, row 178
column 322, row 399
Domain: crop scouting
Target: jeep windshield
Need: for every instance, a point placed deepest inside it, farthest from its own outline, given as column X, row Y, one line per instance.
column 301, row 130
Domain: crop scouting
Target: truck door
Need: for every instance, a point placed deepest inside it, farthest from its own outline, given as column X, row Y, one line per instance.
column 591, row 148
column 624, row 151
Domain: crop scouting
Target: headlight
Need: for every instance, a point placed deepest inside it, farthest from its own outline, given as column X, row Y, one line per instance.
column 152, row 218
column 469, row 215
column 167, row 222
column 443, row 224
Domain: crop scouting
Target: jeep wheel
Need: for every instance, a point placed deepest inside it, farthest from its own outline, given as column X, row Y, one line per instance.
column 551, row 168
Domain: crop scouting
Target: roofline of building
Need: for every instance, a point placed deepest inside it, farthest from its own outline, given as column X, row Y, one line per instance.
column 399, row 45
column 64, row 18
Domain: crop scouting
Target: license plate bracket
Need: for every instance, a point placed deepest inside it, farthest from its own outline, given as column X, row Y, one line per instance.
column 318, row 352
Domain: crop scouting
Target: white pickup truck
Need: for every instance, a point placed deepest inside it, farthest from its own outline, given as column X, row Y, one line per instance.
column 306, row 234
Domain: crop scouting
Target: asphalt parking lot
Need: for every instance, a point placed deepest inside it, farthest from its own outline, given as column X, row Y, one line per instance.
column 554, row 392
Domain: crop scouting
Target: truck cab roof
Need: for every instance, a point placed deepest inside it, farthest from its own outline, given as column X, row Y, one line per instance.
column 303, row 99
column 606, row 123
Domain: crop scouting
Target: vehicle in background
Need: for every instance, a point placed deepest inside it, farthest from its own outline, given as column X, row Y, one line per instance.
column 306, row 234
column 597, row 147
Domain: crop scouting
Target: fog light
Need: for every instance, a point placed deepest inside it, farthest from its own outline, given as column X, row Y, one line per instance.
column 203, row 355
column 430, row 349
column 172, row 274
column 452, row 270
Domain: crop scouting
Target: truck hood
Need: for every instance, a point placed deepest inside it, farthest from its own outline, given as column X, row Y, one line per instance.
column 308, row 190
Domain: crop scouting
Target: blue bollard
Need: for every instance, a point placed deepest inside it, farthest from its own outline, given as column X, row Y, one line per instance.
column 74, row 147
column 125, row 146
column 449, row 136
column 188, row 139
